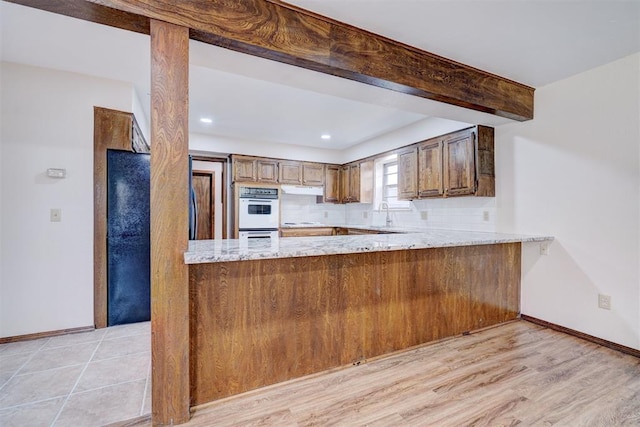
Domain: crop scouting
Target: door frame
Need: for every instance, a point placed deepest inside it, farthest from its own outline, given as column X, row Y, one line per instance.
column 112, row 130
column 224, row 161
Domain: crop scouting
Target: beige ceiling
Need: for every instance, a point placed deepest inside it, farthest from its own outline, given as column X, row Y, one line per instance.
column 533, row 42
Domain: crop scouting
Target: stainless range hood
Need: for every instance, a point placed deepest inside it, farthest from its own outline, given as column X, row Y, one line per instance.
column 304, row 190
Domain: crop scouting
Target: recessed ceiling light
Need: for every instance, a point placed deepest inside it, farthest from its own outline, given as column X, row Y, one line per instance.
column 325, row 136
column 206, row 120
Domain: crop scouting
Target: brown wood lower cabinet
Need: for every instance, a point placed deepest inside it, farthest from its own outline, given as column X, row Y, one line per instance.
column 306, row 232
column 255, row 323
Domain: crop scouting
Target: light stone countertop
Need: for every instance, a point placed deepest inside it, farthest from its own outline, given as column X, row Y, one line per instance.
column 207, row 251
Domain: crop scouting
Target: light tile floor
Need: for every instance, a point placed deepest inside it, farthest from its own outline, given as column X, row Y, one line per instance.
column 85, row 379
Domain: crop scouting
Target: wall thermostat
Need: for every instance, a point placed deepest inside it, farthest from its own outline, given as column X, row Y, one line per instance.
column 56, row 173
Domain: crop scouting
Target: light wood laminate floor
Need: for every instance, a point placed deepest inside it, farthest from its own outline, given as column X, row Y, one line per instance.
column 514, row 374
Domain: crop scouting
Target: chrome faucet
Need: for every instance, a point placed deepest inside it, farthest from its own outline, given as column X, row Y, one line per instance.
column 385, row 205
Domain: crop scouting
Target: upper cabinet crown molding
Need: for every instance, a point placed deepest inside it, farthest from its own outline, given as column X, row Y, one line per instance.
column 278, row 31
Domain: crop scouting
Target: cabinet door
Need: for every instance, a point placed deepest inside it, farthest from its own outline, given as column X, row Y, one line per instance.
column 267, row 170
column 430, row 176
column 313, row 174
column 244, row 169
column 332, row 184
column 360, row 231
column 485, row 167
column 290, row 173
column 408, row 174
column 365, row 190
column 307, row 232
column 354, row 183
column 460, row 166
column 344, row 184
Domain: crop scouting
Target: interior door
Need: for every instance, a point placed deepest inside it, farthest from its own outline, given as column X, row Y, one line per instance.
column 128, row 237
column 204, row 184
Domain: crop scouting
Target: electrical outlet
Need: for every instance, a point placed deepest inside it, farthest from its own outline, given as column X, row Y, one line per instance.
column 485, row 215
column 424, row 215
column 544, row 248
column 365, row 215
column 55, row 215
column 604, row 301
column 326, row 214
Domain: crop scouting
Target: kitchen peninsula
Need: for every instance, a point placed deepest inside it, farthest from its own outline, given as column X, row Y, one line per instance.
column 263, row 313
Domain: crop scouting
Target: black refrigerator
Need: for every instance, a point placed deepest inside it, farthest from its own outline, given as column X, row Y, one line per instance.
column 128, row 237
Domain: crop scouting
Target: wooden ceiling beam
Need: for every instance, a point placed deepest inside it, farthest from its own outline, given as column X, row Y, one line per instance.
column 278, row 31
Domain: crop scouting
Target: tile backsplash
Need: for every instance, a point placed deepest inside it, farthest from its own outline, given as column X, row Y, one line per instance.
column 299, row 208
column 459, row 213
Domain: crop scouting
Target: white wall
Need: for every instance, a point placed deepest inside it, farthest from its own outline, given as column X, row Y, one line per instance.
column 415, row 132
column 46, row 268
column 574, row 172
column 222, row 145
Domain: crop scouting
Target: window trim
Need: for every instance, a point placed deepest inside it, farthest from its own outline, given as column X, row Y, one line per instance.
column 380, row 166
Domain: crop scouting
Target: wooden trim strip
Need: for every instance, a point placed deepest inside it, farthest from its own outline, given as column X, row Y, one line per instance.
column 291, row 35
column 143, row 420
column 614, row 346
column 48, row 334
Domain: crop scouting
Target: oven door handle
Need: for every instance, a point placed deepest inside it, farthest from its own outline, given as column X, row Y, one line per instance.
column 258, row 234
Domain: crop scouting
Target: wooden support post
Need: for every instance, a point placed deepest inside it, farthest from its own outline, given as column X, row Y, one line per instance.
column 169, row 223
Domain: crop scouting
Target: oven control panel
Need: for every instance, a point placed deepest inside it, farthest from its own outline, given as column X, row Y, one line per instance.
column 258, row 193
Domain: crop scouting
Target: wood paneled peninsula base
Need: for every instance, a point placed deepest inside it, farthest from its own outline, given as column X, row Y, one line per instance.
column 261, row 321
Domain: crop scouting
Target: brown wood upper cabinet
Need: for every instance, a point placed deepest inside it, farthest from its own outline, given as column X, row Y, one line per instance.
column 290, row 172
column 332, row 184
column 408, row 174
column 244, row 168
column 312, row 173
column 349, row 181
column 460, row 163
column 267, row 170
column 430, row 173
column 254, row 169
column 301, row 173
column 457, row 164
column 356, row 182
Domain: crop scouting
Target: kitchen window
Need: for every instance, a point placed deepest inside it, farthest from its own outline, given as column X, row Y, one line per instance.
column 386, row 174
column 390, row 182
